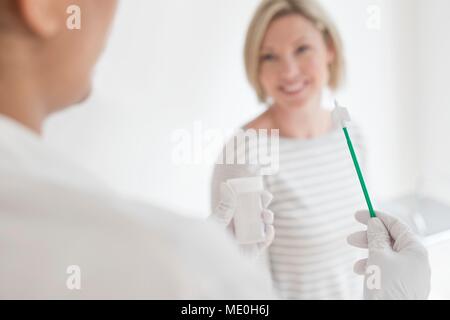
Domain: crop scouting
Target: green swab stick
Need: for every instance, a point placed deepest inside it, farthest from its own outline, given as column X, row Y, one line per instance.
column 342, row 116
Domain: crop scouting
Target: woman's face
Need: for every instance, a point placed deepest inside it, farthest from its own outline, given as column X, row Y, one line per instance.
column 294, row 62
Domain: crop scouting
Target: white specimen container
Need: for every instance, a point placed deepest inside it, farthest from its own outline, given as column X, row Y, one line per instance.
column 248, row 221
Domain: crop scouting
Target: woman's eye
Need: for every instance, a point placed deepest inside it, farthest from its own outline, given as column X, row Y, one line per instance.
column 268, row 57
column 302, row 49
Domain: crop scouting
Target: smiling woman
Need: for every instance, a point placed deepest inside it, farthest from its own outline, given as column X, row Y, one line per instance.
column 293, row 53
column 315, row 20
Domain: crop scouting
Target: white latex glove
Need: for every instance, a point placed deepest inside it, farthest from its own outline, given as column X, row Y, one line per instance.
column 398, row 266
column 224, row 212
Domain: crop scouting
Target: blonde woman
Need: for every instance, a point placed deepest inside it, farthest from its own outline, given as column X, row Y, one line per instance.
column 293, row 53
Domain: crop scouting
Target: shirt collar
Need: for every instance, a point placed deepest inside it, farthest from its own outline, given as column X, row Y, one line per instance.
column 24, row 152
column 13, row 131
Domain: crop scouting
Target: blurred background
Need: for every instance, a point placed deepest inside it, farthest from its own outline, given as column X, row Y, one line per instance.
column 177, row 66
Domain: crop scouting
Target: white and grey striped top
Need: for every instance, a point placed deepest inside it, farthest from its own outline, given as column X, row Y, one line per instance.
column 316, row 192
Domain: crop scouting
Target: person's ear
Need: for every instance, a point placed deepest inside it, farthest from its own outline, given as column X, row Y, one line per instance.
column 42, row 17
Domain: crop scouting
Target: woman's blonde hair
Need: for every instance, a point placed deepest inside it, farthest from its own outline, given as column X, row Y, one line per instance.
column 270, row 10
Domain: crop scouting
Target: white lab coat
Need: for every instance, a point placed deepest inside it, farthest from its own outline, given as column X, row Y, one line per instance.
column 54, row 215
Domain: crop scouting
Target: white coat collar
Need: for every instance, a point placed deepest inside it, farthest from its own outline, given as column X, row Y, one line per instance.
column 24, row 152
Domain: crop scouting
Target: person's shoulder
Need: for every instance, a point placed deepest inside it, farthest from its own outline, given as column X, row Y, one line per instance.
column 206, row 262
column 68, row 205
column 150, row 251
column 263, row 121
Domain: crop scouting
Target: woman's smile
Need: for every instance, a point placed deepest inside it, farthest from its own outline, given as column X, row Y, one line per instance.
column 294, row 90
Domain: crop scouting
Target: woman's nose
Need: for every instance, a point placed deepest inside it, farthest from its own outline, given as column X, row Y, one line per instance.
column 289, row 68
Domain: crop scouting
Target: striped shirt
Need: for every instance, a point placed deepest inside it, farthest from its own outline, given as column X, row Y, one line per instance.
column 316, row 192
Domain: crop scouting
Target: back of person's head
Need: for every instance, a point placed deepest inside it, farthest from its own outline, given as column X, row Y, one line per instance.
column 51, row 46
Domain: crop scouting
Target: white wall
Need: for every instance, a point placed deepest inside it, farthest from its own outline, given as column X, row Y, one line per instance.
column 381, row 87
column 434, row 95
column 169, row 64
column 172, row 63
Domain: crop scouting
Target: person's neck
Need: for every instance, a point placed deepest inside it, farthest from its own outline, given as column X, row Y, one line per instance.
column 20, row 101
column 308, row 122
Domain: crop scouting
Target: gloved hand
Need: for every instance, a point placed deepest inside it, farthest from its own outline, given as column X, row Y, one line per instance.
column 397, row 267
column 224, row 213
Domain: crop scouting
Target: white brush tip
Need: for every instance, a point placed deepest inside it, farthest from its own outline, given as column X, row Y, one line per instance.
column 340, row 115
